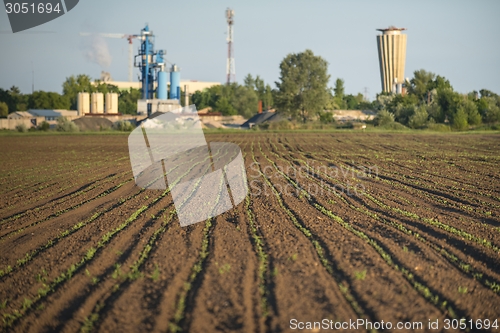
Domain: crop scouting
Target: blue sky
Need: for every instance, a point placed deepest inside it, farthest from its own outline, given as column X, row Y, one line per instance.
column 455, row 39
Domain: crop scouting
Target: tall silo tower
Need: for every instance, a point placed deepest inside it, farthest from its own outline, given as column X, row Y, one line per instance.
column 392, row 54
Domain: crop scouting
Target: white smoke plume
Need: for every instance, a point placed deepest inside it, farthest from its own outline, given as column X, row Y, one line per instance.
column 96, row 51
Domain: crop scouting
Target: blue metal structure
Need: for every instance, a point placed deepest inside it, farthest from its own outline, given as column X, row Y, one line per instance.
column 161, row 89
column 175, row 83
column 152, row 67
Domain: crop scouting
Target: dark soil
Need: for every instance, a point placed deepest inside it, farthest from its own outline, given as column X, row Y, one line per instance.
column 384, row 227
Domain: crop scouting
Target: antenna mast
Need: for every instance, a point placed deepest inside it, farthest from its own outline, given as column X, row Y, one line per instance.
column 230, row 70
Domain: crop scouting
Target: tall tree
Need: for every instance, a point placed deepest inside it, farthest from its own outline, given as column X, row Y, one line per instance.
column 245, row 101
column 4, row 110
column 249, row 81
column 48, row 100
column 73, row 85
column 260, row 87
column 339, row 89
column 15, row 100
column 420, row 84
column 302, row 89
column 267, row 100
column 127, row 101
column 339, row 95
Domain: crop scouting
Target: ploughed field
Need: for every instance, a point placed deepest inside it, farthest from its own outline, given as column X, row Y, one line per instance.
column 336, row 226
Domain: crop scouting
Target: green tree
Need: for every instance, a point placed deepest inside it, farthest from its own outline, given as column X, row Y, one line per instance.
column 73, row 85
column 352, row 102
column 202, row 99
column 245, row 101
column 384, row 117
column 489, row 108
column 302, row 89
column 105, row 88
column 263, row 91
column 459, row 119
column 224, row 106
column 421, row 83
column 44, row 126
column 15, row 100
column 65, row 125
column 48, row 100
column 435, row 112
column 267, row 100
column 419, row 117
column 260, row 87
column 326, row 117
column 4, row 110
column 249, row 81
column 339, row 88
column 473, row 116
column 127, row 101
column 338, row 95
column 448, row 101
column 487, row 93
column 403, row 107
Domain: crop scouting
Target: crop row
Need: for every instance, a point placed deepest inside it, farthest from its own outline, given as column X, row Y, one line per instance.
column 313, row 239
column 80, row 191
column 432, row 296
column 465, row 267
column 11, row 318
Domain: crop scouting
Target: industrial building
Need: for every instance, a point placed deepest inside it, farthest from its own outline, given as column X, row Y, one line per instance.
column 20, row 115
column 51, row 115
column 392, row 55
column 160, row 85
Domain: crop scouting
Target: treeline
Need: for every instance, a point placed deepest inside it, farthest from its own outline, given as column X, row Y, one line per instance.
column 243, row 99
column 13, row 100
column 228, row 99
column 234, row 98
column 430, row 99
column 302, row 94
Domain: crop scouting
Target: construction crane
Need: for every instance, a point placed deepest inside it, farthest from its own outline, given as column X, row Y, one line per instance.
column 130, row 47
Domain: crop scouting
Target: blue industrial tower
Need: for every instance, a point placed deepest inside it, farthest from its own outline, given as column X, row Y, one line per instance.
column 152, row 67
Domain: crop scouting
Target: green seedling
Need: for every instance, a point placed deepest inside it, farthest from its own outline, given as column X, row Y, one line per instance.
column 156, row 273
column 224, row 269
column 360, row 275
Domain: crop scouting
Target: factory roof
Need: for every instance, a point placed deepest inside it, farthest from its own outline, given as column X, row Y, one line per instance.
column 52, row 112
column 44, row 113
column 19, row 114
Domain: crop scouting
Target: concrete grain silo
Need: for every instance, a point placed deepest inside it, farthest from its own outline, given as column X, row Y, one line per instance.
column 111, row 104
column 83, row 103
column 97, row 103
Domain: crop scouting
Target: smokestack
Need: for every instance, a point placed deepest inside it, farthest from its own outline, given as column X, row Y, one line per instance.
column 186, row 95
